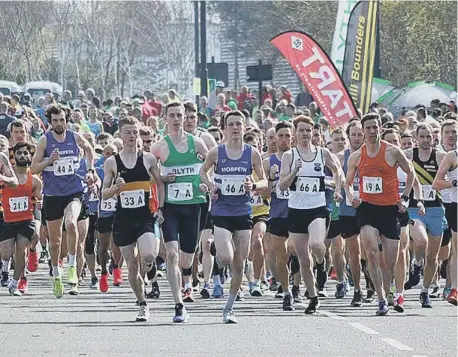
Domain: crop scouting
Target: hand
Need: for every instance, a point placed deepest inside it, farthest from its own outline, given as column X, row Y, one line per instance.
column 39, row 205
column 214, row 193
column 119, row 183
column 421, row 209
column 248, row 185
column 273, row 172
column 89, row 178
column 203, row 188
column 169, row 178
column 402, row 206
column 337, row 196
column 355, row 201
column 159, row 216
column 54, row 156
column 298, row 164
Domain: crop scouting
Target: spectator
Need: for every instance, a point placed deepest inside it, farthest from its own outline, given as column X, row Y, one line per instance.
column 286, row 94
column 151, row 107
column 303, row 99
column 204, row 108
column 5, row 118
column 221, row 105
column 212, row 100
column 66, row 99
column 243, row 97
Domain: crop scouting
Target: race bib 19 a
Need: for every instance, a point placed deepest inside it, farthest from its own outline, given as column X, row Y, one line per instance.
column 132, row 199
column 232, row 186
column 19, row 204
column 428, row 193
column 255, row 200
column 108, row 205
column 64, row 167
column 180, row 191
column 372, row 185
column 308, row 185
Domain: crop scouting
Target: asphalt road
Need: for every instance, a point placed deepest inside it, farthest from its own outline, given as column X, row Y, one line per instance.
column 96, row 324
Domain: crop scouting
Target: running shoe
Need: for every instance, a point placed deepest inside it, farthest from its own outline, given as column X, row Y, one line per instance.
column 255, row 290
column 195, row 285
column 390, row 298
column 295, row 291
column 314, row 304
column 72, row 278
column 205, row 292
column 103, row 283
column 58, row 287
column 188, row 295
column 288, row 303
column 5, row 279
column 414, row 277
column 240, row 295
column 280, row 293
column 43, row 256
column 273, row 284
column 23, row 285
column 13, row 289
column 382, row 308
column 155, row 291
column 229, row 317
column 446, row 293
column 143, row 312
column 369, row 297
column 341, row 290
column 264, row 286
column 435, row 293
column 74, row 290
column 32, row 261
column 94, row 282
column 425, row 303
column 452, row 297
column 398, row 303
column 218, row 291
column 181, row 315
column 323, row 292
column 117, row 277
column 357, row 300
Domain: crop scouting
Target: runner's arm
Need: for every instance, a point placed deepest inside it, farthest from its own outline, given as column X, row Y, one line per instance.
column 406, row 166
column 286, row 174
column 154, row 171
column 261, row 184
column 201, row 148
column 8, row 176
column 209, row 162
column 88, row 150
column 332, row 162
column 38, row 164
column 37, row 188
column 108, row 189
column 352, row 166
column 209, row 140
column 446, row 165
column 266, row 165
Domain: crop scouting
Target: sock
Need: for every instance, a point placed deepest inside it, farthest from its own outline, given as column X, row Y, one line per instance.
column 418, row 263
column 230, row 301
column 424, row 290
column 216, row 280
column 396, row 295
column 6, row 265
column 256, row 281
column 187, row 286
column 55, row 271
column 32, row 249
column 71, row 259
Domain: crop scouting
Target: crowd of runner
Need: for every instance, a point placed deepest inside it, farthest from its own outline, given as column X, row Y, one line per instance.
column 225, row 188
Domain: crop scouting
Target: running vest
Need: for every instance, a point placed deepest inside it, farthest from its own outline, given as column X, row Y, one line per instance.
column 60, row 178
column 378, row 181
column 185, row 166
column 107, row 207
column 308, row 190
column 94, row 127
column 17, row 202
column 345, row 208
column 453, row 175
column 426, row 172
column 229, row 177
column 90, row 198
column 278, row 198
column 259, row 205
column 134, row 197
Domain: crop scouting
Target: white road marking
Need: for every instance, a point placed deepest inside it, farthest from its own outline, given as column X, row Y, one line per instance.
column 331, row 315
column 363, row 328
column 419, row 356
column 396, row 344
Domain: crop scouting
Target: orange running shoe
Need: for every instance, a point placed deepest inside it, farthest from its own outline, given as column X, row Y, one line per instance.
column 452, row 297
column 22, row 285
column 117, row 277
column 103, row 283
column 32, row 262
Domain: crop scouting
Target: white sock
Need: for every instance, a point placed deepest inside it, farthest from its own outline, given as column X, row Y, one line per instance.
column 418, row 263
column 71, row 260
column 424, row 290
column 6, row 265
column 256, row 281
column 217, row 280
column 55, row 271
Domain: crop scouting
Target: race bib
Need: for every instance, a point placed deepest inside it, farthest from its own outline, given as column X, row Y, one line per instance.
column 19, row 204
column 308, row 185
column 64, row 167
column 282, row 195
column 232, row 186
column 428, row 193
column 93, row 196
column 255, row 200
column 132, row 199
column 108, row 205
column 372, row 185
column 180, row 191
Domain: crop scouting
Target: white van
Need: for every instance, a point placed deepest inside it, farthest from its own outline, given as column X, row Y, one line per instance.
column 9, row 88
column 40, row 88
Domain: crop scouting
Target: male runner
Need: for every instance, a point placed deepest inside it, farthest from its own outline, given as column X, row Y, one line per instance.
column 302, row 171
column 57, row 156
column 231, row 210
column 378, row 204
column 278, row 214
column 448, row 168
column 127, row 176
column 426, row 230
column 181, row 156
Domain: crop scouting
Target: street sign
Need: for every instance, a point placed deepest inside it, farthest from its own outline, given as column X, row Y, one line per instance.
column 260, row 72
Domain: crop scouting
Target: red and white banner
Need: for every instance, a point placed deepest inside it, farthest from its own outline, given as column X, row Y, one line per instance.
column 318, row 74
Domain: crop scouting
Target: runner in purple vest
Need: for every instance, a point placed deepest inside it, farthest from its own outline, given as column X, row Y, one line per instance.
column 234, row 163
column 57, row 156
